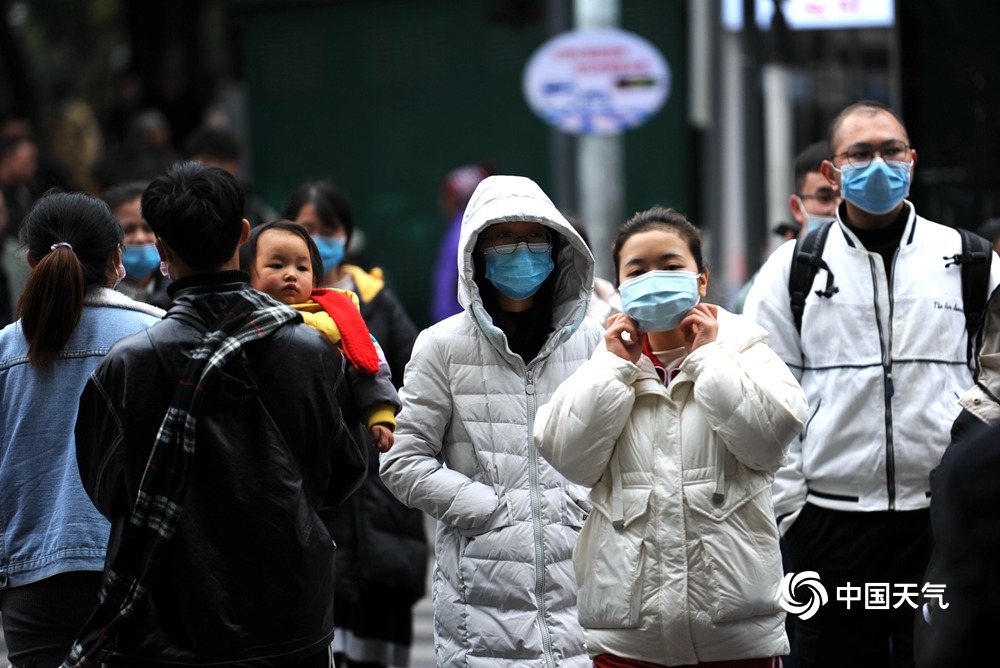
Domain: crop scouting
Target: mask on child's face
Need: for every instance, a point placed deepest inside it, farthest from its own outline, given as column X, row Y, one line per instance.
column 659, row 300
column 331, row 251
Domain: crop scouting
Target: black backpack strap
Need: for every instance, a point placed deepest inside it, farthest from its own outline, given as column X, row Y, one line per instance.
column 807, row 259
column 975, row 261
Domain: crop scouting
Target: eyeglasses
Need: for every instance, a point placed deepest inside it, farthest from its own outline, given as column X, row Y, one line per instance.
column 823, row 197
column 505, row 243
column 865, row 153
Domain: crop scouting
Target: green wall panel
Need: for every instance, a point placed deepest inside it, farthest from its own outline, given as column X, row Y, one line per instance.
column 383, row 97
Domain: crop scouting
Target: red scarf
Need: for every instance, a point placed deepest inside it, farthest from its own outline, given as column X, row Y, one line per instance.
column 355, row 339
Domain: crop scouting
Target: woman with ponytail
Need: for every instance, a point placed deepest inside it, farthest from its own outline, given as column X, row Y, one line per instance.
column 53, row 539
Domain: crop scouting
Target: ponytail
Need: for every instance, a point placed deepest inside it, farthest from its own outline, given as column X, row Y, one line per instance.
column 72, row 237
column 51, row 304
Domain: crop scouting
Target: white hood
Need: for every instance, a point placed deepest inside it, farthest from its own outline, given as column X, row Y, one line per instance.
column 500, row 199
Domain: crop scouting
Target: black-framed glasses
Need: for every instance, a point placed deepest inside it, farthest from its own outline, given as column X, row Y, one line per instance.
column 893, row 149
column 505, row 243
column 826, row 197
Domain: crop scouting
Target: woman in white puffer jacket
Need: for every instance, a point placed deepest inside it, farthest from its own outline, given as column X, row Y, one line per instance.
column 503, row 590
column 679, row 422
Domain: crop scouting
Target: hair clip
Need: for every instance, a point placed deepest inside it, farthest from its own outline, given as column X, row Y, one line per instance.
column 61, row 243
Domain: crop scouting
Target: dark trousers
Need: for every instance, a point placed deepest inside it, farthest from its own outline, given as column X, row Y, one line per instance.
column 854, row 549
column 41, row 619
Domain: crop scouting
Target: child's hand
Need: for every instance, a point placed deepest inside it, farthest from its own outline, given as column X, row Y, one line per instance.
column 382, row 437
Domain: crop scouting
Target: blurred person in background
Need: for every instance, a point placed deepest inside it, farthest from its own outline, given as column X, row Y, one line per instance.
column 222, row 147
column 143, row 279
column 54, row 540
column 456, row 189
column 382, row 549
column 990, row 230
column 813, row 204
column 145, row 153
column 19, row 186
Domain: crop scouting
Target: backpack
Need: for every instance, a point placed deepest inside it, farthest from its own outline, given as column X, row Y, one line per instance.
column 975, row 260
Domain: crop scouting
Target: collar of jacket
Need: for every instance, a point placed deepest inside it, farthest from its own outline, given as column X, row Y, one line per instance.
column 369, row 283
column 908, row 210
column 209, row 282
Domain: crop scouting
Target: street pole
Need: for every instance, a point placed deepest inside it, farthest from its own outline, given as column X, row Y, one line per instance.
column 752, row 138
column 600, row 159
column 779, row 120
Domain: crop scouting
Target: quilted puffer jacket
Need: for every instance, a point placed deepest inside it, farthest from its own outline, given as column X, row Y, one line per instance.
column 503, row 589
column 679, row 562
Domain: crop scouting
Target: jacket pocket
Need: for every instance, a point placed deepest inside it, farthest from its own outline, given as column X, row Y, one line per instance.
column 608, row 564
column 740, row 571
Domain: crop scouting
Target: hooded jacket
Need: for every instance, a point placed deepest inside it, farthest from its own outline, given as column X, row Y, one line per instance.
column 504, row 593
column 679, row 562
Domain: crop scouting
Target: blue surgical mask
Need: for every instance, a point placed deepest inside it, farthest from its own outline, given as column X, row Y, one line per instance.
column 659, row 300
column 518, row 275
column 877, row 187
column 140, row 260
column 814, row 222
column 331, row 251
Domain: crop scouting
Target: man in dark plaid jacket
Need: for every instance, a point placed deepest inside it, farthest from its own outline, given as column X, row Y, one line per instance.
column 213, row 441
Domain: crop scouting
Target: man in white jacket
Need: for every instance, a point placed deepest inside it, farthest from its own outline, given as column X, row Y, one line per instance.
column 882, row 356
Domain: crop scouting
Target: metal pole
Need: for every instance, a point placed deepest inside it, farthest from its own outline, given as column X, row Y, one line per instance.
column 562, row 148
column 752, row 138
column 600, row 159
column 779, row 119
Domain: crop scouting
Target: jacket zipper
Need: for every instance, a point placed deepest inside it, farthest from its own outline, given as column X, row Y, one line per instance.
column 888, row 388
column 536, row 517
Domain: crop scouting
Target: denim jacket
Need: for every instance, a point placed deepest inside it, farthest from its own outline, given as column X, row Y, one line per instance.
column 48, row 525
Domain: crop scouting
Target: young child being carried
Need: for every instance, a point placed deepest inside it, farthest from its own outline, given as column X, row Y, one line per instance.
column 283, row 261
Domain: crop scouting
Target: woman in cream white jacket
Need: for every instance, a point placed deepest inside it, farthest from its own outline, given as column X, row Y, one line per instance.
column 678, row 422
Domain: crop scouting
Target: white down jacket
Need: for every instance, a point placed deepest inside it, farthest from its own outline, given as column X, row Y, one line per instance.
column 678, row 563
column 503, row 589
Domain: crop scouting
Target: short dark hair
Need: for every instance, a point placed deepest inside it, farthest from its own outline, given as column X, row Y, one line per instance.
column 871, row 107
column 123, row 193
column 72, row 238
column 662, row 218
column 216, row 142
column 330, row 202
column 198, row 211
column 248, row 251
column 808, row 161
